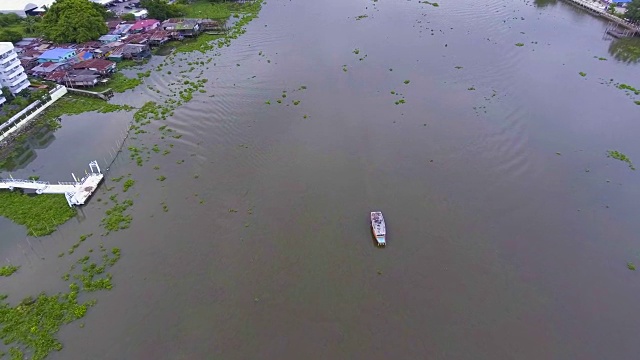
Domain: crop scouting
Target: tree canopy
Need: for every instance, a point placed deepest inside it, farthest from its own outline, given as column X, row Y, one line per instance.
column 161, row 9
column 10, row 35
column 73, row 21
column 9, row 19
column 128, row 17
column 633, row 11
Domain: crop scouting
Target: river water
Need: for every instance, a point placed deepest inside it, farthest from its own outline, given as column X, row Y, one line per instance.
column 509, row 229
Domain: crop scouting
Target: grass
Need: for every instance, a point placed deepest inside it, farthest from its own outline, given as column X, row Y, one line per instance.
column 40, row 214
column 620, row 156
column 73, row 105
column 119, row 83
column 8, row 270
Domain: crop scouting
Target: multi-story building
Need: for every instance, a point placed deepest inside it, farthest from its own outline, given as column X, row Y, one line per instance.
column 12, row 74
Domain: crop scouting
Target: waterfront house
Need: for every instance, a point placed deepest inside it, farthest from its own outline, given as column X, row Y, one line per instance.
column 105, row 39
column 140, row 38
column 136, row 51
column 100, row 66
column 159, row 37
column 44, row 69
column 57, row 55
column 81, row 78
column 144, row 25
column 123, row 29
column 182, row 27
column 211, row 25
column 129, row 51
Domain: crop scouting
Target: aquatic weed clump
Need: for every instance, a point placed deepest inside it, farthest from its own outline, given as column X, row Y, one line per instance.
column 29, row 328
column 31, row 325
column 40, row 214
column 8, row 270
column 620, row 156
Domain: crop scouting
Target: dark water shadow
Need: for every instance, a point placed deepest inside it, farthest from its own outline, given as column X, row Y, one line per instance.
column 626, row 50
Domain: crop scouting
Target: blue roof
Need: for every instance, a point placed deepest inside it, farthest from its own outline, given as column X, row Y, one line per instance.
column 622, row 1
column 55, row 53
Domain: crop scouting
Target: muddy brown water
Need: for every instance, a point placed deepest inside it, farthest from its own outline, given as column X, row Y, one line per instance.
column 498, row 247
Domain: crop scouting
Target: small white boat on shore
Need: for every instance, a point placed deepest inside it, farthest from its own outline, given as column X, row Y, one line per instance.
column 378, row 228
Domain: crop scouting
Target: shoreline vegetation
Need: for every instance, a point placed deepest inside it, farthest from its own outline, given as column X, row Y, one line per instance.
column 29, row 328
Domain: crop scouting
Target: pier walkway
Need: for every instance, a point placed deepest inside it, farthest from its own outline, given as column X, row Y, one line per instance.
column 599, row 10
column 76, row 192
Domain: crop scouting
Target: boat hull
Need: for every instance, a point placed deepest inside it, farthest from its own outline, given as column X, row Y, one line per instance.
column 378, row 228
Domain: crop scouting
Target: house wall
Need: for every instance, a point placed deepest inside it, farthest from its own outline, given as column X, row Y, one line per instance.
column 63, row 58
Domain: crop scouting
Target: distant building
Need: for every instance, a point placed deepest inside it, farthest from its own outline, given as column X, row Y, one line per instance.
column 140, row 14
column 24, row 7
column 57, row 55
column 11, row 72
column 100, row 66
column 105, row 39
column 144, row 25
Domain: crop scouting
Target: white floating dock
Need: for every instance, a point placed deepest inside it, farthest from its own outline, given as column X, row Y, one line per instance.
column 76, row 192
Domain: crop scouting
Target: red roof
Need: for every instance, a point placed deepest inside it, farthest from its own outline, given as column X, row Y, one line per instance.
column 56, row 75
column 98, row 64
column 142, row 24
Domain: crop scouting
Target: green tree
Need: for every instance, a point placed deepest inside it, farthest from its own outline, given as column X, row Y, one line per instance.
column 10, row 35
column 128, row 17
column 9, row 19
column 633, row 11
column 7, row 93
column 101, row 10
column 30, row 24
column 73, row 21
column 161, row 9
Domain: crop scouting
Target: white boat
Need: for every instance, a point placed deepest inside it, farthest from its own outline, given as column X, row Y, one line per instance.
column 378, row 227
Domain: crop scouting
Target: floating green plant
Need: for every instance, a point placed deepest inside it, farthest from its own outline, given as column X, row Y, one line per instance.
column 8, row 270
column 115, row 218
column 631, row 266
column 583, row 74
column 128, row 184
column 620, row 156
column 519, row 44
column 40, row 214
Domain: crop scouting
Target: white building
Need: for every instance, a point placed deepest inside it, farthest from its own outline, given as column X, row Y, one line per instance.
column 12, row 74
column 22, row 7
